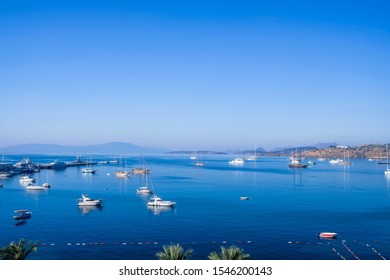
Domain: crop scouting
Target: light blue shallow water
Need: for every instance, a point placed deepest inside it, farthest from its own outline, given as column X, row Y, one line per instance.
column 286, row 210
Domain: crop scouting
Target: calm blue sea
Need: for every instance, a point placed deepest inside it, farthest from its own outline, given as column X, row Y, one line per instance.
column 286, row 210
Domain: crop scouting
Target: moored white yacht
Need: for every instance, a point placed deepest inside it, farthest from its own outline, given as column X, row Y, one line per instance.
column 237, row 161
column 336, row 161
column 44, row 186
column 251, row 158
column 157, row 201
column 85, row 200
column 26, row 179
column 58, row 165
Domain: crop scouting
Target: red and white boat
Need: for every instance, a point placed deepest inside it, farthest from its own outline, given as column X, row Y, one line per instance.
column 327, row 235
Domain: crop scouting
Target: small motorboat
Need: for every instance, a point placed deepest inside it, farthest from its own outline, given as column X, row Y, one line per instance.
column 22, row 214
column 244, row 198
column 327, row 235
column 85, row 200
column 26, row 179
column 88, row 170
column 6, row 174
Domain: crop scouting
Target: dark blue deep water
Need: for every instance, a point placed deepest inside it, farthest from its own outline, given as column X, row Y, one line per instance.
column 286, row 210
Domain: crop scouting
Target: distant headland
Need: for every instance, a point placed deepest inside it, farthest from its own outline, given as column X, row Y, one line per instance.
column 321, row 150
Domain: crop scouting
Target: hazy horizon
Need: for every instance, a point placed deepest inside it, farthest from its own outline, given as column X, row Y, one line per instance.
column 194, row 74
column 216, row 149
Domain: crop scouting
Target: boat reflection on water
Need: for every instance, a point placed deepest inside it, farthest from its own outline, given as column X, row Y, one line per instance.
column 20, row 222
column 84, row 210
column 25, row 184
column 159, row 210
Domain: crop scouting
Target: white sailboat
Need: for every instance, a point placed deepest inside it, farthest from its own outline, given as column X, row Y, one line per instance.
column 387, row 157
column 296, row 160
column 193, row 155
column 140, row 170
column 145, row 189
column 124, row 172
column 387, row 171
column 200, row 162
column 254, row 156
column 346, row 159
column 237, row 160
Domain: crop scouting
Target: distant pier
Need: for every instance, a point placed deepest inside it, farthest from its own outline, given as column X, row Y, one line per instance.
column 26, row 166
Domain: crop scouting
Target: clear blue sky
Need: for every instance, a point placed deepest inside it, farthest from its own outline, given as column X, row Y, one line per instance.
column 194, row 74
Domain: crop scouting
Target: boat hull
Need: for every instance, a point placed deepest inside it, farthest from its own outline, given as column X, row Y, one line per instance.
column 36, row 188
column 297, row 165
column 327, row 235
column 90, row 203
column 22, row 216
column 161, row 204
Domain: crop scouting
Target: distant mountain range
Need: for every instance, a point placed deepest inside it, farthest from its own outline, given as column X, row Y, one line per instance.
column 112, row 148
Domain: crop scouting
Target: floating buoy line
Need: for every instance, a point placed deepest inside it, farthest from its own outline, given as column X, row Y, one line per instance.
column 332, row 245
column 334, row 250
column 140, row 243
column 349, row 250
column 375, row 251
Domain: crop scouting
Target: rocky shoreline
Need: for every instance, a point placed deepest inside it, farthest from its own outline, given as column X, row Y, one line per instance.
column 374, row 151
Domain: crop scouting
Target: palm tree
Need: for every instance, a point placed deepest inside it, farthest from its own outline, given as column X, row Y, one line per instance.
column 231, row 253
column 174, row 252
column 18, row 251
